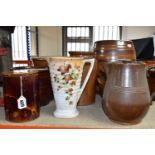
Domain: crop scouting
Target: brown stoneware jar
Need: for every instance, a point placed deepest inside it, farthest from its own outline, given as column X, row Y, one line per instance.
column 44, row 80
column 39, row 62
column 45, row 88
column 126, row 97
column 89, row 93
column 46, row 93
column 21, row 93
column 109, row 51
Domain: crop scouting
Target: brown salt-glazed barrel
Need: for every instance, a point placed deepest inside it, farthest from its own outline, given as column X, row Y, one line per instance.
column 17, row 84
column 45, row 82
column 89, row 93
column 45, row 88
column 108, row 51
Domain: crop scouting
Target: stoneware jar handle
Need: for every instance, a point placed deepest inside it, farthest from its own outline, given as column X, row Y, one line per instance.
column 91, row 61
column 152, row 97
column 147, row 70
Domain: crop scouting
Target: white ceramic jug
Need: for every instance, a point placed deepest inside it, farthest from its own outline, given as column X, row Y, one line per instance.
column 66, row 74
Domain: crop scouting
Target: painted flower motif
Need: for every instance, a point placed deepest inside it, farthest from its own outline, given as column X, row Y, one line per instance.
column 64, row 68
column 66, row 77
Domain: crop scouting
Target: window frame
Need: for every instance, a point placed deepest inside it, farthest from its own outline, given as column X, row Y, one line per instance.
column 66, row 39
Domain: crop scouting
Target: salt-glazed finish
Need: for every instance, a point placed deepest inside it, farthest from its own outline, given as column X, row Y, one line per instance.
column 126, row 96
column 21, row 101
column 66, row 75
column 110, row 51
column 44, row 80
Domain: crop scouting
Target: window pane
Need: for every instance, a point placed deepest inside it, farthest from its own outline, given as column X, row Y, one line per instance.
column 19, row 43
column 69, row 31
column 78, row 32
column 115, row 30
column 106, row 33
column 85, row 32
column 73, row 32
column 110, row 33
column 77, row 46
column 105, row 36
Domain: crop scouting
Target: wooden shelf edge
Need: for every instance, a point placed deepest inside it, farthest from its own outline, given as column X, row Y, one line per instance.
column 39, row 127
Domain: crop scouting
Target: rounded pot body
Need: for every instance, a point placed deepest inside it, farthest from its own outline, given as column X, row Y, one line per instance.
column 126, row 97
column 21, row 95
column 110, row 51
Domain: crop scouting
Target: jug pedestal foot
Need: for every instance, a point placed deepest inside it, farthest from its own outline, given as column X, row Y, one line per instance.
column 65, row 113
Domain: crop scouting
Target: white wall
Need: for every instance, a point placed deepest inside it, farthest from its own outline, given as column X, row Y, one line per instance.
column 50, row 37
column 50, row 40
column 135, row 32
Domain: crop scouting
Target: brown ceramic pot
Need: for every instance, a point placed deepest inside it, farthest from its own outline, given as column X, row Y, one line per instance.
column 126, row 97
column 45, row 89
column 89, row 93
column 108, row 51
column 46, row 93
column 39, row 62
column 21, row 99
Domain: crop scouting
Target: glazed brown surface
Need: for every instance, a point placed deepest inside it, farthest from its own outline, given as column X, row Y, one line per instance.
column 44, row 80
column 111, row 50
column 11, row 91
column 39, row 62
column 45, row 90
column 126, row 97
column 45, row 87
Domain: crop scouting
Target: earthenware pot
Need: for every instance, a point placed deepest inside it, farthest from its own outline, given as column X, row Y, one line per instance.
column 126, row 97
column 40, row 62
column 109, row 51
column 45, row 89
column 21, row 95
